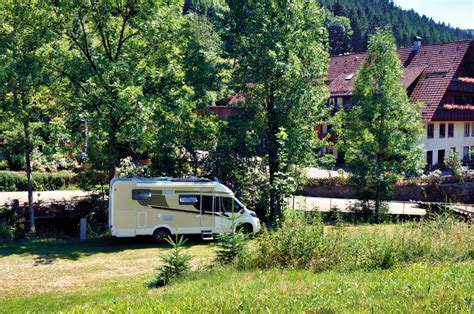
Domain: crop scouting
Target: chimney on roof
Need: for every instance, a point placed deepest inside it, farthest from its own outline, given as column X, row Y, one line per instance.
column 416, row 43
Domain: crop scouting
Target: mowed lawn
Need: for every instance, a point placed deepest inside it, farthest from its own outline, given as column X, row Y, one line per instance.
column 109, row 275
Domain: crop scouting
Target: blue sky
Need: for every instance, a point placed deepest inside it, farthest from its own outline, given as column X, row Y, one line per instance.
column 458, row 13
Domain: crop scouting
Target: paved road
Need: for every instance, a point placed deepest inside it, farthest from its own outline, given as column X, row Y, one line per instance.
column 344, row 205
column 43, row 196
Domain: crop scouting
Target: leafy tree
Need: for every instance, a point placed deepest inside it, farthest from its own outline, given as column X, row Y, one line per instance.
column 180, row 149
column 24, row 30
column 122, row 63
column 280, row 47
column 379, row 134
column 207, row 71
column 238, row 157
column 340, row 33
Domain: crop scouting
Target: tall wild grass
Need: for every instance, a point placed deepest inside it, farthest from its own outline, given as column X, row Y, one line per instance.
column 303, row 242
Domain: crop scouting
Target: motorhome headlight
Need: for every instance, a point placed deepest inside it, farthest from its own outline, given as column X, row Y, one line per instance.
column 253, row 214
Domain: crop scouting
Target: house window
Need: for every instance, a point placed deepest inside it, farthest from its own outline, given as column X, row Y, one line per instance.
column 472, row 129
column 340, row 102
column 429, row 158
column 442, row 130
column 467, row 129
column 465, row 153
column 331, row 102
column 450, row 129
column 347, row 104
column 452, row 149
column 472, row 152
column 441, row 157
column 430, row 130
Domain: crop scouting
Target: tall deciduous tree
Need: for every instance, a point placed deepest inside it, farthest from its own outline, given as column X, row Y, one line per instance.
column 381, row 132
column 281, row 54
column 340, row 33
column 24, row 30
column 122, row 62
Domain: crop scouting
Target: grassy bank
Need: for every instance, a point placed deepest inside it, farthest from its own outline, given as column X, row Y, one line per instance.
column 109, row 275
column 414, row 288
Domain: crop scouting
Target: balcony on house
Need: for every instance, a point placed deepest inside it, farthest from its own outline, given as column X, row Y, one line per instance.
column 460, row 94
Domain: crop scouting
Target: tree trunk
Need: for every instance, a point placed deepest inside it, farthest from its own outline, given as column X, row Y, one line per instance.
column 273, row 158
column 113, row 152
column 377, row 205
column 28, row 150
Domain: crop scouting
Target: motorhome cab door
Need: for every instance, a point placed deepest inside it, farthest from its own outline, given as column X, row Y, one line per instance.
column 226, row 208
column 207, row 211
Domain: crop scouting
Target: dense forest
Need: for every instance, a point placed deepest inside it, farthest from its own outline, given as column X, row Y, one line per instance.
column 366, row 15
column 351, row 22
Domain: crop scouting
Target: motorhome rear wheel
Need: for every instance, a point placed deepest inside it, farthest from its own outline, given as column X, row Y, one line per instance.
column 160, row 235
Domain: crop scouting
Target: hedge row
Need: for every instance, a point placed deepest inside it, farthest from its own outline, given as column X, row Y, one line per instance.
column 333, row 181
column 42, row 181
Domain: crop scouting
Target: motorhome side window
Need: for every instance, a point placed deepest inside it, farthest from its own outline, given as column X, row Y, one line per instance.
column 188, row 199
column 141, row 195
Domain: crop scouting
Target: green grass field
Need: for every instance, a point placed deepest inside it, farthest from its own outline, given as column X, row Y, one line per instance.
column 109, row 275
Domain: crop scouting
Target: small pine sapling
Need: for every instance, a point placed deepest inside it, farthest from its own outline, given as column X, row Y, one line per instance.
column 230, row 245
column 175, row 264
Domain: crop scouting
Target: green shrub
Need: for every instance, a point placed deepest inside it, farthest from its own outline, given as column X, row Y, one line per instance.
column 13, row 223
column 12, row 181
column 3, row 164
column 453, row 162
column 42, row 181
column 176, row 264
column 331, row 181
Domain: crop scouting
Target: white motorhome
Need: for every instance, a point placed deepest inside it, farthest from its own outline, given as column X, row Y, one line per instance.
column 163, row 206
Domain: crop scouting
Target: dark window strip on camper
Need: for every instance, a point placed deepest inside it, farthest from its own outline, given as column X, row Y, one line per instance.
column 141, row 195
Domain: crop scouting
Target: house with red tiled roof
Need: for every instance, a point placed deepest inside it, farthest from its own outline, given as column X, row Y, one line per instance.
column 441, row 76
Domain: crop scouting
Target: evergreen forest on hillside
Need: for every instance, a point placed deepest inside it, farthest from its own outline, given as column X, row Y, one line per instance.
column 350, row 23
column 366, row 15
